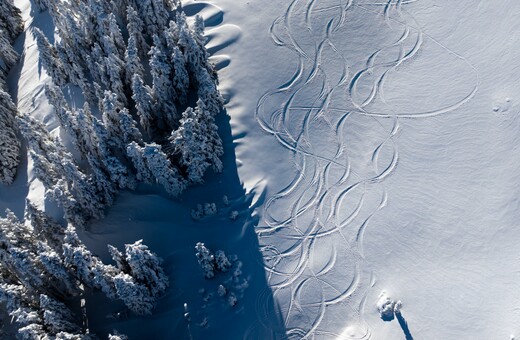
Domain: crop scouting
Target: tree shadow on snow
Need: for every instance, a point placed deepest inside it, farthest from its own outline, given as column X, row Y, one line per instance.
column 167, row 227
column 404, row 325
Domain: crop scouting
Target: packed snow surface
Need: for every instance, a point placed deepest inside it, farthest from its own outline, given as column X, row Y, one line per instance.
column 386, row 133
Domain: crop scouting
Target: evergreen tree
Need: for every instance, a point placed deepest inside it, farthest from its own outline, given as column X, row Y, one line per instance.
column 163, row 90
column 150, row 159
column 135, row 29
column 144, row 103
column 115, row 70
column 117, row 172
column 49, row 58
column 145, row 267
column 133, row 64
column 66, row 117
column 9, row 143
column 44, row 227
column 115, row 34
column 181, row 80
column 155, row 15
column 8, row 56
column 197, row 143
column 120, row 126
column 136, row 154
column 135, row 296
column 10, row 20
column 57, row 317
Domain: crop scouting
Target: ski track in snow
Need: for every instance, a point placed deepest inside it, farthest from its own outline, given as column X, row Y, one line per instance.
column 312, row 236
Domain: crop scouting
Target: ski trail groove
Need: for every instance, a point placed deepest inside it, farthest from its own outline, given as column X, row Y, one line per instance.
column 313, row 229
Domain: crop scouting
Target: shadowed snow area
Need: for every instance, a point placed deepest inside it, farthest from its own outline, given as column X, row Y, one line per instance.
column 386, row 133
column 164, row 223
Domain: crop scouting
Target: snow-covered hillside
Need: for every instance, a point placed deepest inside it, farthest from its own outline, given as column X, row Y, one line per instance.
column 396, row 168
column 369, row 185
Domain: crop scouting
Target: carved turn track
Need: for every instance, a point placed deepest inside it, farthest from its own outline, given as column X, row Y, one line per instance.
column 334, row 117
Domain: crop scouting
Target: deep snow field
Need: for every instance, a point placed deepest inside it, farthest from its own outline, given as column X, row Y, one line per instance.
column 371, row 152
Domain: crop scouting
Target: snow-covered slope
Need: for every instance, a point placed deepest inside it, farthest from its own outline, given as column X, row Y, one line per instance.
column 376, row 147
column 396, row 168
column 164, row 224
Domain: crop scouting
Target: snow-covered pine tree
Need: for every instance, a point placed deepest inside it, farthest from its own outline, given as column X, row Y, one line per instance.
column 135, row 296
column 196, row 143
column 96, row 65
column 120, row 126
column 44, row 227
column 181, row 80
column 118, row 258
column 31, row 260
column 83, row 191
column 163, row 91
column 10, row 19
column 114, row 67
column 198, row 29
column 77, row 258
column 21, row 306
column 136, row 154
column 133, row 65
column 50, row 60
column 57, row 317
column 135, row 27
column 9, row 143
column 200, row 70
column 60, row 193
column 144, row 103
column 152, row 158
column 145, row 268
column 73, row 67
column 39, row 316
column 63, row 281
column 39, row 144
column 8, row 56
column 118, row 173
column 66, row 117
column 10, row 26
column 206, row 260
column 154, row 13
column 113, row 30
column 54, row 166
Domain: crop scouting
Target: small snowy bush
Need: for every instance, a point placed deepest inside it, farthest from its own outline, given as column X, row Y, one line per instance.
column 232, row 299
column 222, row 261
column 387, row 307
column 210, row 262
column 206, row 260
column 233, row 215
column 208, row 209
column 221, row 290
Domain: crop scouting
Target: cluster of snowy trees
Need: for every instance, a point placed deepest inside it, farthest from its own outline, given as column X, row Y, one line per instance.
column 150, row 101
column 209, row 262
column 10, row 27
column 45, row 268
